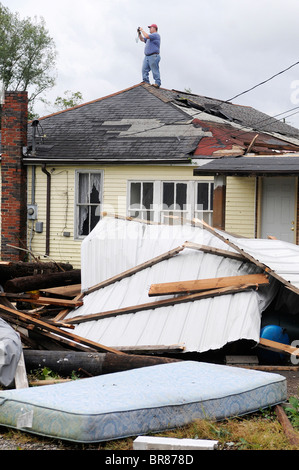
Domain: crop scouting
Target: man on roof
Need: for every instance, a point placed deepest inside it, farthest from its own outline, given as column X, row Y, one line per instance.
column 152, row 57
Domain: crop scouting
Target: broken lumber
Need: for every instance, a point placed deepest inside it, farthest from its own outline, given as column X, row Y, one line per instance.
column 63, row 291
column 248, row 257
column 42, row 281
column 214, row 251
column 16, row 315
column 51, row 301
column 65, row 362
column 135, row 269
column 157, row 304
column 278, row 347
column 199, row 285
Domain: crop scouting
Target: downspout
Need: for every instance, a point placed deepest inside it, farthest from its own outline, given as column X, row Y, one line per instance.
column 33, row 173
column 48, row 209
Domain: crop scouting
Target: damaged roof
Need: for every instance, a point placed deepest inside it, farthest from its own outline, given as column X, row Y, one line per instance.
column 194, row 326
column 144, row 124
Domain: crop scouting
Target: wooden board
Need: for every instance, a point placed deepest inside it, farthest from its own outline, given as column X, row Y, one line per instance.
column 200, row 285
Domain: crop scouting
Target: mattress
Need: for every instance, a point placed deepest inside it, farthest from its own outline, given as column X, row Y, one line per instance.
column 139, row 401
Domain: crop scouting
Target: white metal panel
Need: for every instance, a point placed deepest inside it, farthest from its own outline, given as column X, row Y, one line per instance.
column 282, row 257
column 117, row 245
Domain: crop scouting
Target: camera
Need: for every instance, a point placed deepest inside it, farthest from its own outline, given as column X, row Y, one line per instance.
column 138, row 29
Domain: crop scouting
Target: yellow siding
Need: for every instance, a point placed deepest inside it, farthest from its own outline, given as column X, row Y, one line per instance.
column 240, row 206
column 67, row 249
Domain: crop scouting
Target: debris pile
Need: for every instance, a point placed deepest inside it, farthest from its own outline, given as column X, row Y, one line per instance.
column 47, row 306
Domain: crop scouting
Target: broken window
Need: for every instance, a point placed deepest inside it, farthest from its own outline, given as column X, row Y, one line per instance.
column 142, row 200
column 89, row 195
column 204, row 201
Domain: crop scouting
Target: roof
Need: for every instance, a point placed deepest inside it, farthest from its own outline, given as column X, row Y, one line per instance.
column 143, row 124
column 116, row 245
column 251, row 165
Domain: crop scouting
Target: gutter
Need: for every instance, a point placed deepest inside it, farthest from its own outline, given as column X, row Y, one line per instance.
column 48, row 208
column 94, row 161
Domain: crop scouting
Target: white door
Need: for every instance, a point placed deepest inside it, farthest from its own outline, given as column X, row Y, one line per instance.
column 278, row 208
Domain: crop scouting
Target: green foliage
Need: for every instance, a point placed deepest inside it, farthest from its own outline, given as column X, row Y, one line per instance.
column 292, row 411
column 45, row 374
column 27, row 54
column 70, row 100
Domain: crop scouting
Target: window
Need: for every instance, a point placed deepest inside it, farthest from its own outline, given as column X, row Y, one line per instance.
column 171, row 201
column 204, row 201
column 88, row 204
column 174, row 202
column 141, row 205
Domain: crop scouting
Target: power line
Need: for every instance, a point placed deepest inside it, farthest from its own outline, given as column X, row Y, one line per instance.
column 263, row 82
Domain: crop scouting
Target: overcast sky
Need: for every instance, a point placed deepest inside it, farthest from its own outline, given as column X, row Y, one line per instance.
column 216, row 48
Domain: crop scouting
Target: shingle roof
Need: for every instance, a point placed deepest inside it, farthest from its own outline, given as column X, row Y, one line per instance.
column 232, row 166
column 139, row 124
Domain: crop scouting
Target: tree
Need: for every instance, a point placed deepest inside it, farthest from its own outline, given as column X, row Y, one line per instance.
column 70, row 100
column 27, row 54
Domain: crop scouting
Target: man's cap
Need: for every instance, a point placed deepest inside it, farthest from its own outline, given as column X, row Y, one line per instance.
column 153, row 26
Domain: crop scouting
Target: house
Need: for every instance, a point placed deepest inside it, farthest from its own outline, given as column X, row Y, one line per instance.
column 143, row 152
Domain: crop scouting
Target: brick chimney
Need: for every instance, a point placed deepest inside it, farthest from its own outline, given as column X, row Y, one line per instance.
column 13, row 176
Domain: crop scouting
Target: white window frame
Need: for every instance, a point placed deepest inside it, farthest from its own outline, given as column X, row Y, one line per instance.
column 188, row 212
column 132, row 209
column 78, row 205
column 173, row 215
column 204, row 214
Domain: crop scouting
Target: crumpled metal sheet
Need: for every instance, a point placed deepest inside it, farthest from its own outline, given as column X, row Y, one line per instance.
column 10, row 353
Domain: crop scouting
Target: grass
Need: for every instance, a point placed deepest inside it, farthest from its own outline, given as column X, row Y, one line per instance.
column 259, row 431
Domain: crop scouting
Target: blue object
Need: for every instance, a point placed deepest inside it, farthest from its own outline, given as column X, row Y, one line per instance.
column 273, row 333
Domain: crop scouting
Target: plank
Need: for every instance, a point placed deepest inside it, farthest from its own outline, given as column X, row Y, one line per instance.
column 51, row 301
column 199, row 285
column 215, row 251
column 278, row 347
column 157, row 304
column 54, row 329
column 63, row 313
column 249, row 258
column 135, row 269
column 64, row 291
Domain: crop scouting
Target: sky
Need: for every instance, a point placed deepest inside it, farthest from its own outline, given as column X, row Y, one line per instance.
column 215, row 48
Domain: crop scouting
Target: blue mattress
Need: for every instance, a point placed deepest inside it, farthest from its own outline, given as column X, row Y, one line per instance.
column 139, row 401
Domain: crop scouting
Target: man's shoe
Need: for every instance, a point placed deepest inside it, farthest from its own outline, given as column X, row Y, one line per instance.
column 156, row 86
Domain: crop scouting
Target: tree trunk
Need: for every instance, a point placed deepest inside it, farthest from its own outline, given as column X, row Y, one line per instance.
column 12, row 270
column 64, row 362
column 43, row 281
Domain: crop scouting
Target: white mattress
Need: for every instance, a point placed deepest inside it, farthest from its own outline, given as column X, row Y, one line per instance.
column 139, row 401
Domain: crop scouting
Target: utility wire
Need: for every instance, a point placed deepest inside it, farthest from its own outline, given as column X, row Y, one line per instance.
column 262, row 83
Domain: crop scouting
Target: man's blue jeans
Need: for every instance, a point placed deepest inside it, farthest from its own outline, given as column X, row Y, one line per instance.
column 151, row 63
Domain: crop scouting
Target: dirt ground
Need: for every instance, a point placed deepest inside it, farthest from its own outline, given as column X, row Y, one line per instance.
column 292, row 381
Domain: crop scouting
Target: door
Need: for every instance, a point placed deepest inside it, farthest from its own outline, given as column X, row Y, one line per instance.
column 278, row 208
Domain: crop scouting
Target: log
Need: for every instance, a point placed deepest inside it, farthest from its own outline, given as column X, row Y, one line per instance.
column 65, row 362
column 289, row 431
column 43, row 281
column 12, row 270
